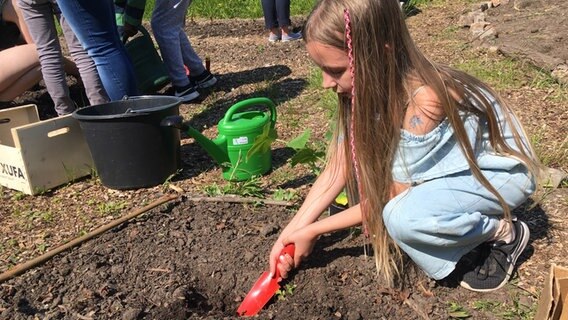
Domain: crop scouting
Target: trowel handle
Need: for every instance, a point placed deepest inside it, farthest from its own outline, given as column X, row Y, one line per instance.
column 288, row 249
column 252, row 102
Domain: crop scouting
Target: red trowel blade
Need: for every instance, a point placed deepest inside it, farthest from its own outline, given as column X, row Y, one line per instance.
column 263, row 289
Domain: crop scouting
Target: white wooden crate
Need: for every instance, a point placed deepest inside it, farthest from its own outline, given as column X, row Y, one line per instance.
column 38, row 155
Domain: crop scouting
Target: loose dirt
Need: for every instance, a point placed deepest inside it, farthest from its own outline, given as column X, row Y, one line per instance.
column 534, row 30
column 197, row 260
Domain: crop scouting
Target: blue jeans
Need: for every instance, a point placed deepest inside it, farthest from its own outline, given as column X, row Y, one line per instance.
column 168, row 20
column 439, row 221
column 94, row 24
column 276, row 13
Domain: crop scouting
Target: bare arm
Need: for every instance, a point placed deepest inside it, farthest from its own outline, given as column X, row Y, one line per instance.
column 327, row 186
column 305, row 238
column 348, row 218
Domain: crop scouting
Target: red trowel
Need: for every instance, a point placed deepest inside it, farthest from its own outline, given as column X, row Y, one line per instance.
column 263, row 290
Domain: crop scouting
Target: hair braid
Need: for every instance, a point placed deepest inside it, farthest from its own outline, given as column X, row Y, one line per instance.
column 349, row 41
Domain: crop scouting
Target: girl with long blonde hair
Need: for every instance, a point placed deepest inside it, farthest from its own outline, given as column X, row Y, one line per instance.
column 433, row 159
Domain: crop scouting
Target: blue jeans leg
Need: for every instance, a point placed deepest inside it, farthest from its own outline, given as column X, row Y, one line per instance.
column 439, row 221
column 94, row 24
column 168, row 20
column 276, row 13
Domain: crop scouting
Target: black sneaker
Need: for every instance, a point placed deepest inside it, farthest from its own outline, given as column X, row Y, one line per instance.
column 467, row 263
column 499, row 264
column 204, row 80
column 186, row 93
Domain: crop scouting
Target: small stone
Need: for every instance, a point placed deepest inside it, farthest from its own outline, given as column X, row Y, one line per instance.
column 488, row 34
column 551, row 177
column 465, row 20
column 354, row 315
column 131, row 314
column 65, row 270
column 55, row 302
column 117, row 269
column 494, row 49
column 179, row 293
column 268, row 230
column 53, row 315
column 116, row 305
column 478, row 17
column 522, row 4
column 6, row 313
column 478, row 28
column 248, row 256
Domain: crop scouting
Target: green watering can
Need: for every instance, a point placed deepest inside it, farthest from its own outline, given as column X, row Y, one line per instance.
column 238, row 132
column 149, row 69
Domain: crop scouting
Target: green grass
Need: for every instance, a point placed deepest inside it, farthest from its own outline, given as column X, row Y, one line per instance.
column 457, row 311
column 111, row 207
column 557, row 91
column 501, row 73
column 550, row 153
column 230, row 9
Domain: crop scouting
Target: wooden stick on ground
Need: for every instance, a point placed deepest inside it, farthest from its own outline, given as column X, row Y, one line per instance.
column 238, row 199
column 46, row 256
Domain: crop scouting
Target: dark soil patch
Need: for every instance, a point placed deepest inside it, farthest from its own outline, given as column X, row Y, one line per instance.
column 190, row 260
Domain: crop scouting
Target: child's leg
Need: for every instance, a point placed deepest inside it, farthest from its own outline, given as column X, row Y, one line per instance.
column 190, row 57
column 270, row 18
column 39, row 19
column 439, row 221
column 283, row 15
column 89, row 75
column 19, row 71
column 168, row 20
column 94, row 24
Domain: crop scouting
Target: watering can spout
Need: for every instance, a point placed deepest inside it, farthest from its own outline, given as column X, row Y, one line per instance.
column 215, row 148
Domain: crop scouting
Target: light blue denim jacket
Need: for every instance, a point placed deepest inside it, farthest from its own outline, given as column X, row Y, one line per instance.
column 436, row 154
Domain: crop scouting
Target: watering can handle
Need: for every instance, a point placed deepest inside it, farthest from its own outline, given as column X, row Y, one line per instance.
column 142, row 30
column 251, row 102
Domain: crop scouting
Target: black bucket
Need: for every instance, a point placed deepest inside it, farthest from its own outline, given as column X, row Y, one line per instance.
column 129, row 147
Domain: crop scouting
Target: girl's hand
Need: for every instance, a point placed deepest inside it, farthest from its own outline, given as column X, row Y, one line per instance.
column 274, row 253
column 304, row 240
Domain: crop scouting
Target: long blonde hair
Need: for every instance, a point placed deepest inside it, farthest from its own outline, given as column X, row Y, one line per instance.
column 384, row 58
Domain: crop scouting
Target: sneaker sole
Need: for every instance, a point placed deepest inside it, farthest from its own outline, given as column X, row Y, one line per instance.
column 188, row 97
column 524, row 232
column 208, row 83
column 290, row 40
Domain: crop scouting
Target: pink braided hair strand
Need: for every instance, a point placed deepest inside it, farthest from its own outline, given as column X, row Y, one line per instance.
column 347, row 19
